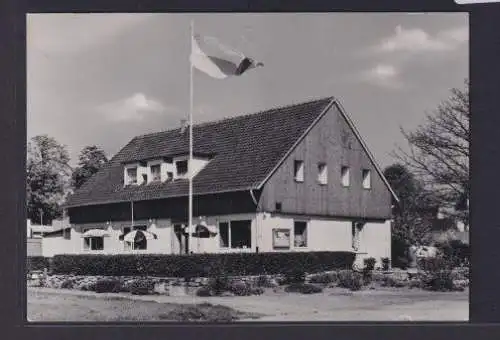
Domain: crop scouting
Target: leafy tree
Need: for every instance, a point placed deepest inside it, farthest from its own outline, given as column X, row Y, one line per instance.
column 413, row 213
column 90, row 160
column 47, row 178
column 439, row 152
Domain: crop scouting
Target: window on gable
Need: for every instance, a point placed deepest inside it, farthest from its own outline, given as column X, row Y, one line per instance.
column 367, row 181
column 182, row 167
column 156, row 173
column 300, row 234
column 132, row 176
column 344, row 176
column 170, row 175
column 322, row 173
column 298, row 171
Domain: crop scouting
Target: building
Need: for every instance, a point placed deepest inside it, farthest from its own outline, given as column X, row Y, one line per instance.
column 294, row 178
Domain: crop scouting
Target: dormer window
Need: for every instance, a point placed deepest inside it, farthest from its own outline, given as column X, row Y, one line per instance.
column 132, row 176
column 155, row 172
column 182, row 168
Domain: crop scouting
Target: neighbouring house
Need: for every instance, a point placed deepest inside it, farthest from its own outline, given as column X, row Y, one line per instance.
column 293, row 178
column 36, row 232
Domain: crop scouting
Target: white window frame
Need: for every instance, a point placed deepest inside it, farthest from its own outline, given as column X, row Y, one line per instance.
column 90, row 244
column 127, row 178
column 229, row 242
column 322, row 173
column 306, row 232
column 345, row 176
column 298, row 173
column 176, row 174
column 367, row 178
column 150, row 173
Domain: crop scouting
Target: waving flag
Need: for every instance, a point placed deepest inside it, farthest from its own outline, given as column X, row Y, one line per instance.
column 219, row 61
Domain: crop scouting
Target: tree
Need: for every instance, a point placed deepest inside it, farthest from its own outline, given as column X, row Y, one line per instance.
column 90, row 160
column 413, row 213
column 439, row 152
column 48, row 173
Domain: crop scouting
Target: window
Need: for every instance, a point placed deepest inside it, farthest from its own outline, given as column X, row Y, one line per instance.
column 170, row 175
column 298, row 171
column 278, row 206
column 367, row 181
column 300, row 234
column 344, row 176
column 144, row 178
column 126, row 230
column 93, row 243
column 224, row 234
column 182, row 168
column 132, row 176
column 322, row 173
column 236, row 234
column 156, row 173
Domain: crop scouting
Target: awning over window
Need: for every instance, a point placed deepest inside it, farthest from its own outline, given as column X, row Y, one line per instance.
column 95, row 233
column 204, row 230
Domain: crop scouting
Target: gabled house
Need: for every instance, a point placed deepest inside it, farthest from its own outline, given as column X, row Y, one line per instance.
column 293, row 178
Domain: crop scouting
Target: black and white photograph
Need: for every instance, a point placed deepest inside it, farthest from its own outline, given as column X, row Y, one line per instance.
column 247, row 167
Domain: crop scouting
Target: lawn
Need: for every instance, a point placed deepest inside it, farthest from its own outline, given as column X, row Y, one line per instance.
column 54, row 306
column 332, row 305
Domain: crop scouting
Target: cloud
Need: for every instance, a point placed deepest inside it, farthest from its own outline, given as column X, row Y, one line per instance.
column 132, row 109
column 384, row 75
column 417, row 40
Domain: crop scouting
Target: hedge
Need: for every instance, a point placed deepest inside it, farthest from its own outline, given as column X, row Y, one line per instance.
column 201, row 265
column 37, row 263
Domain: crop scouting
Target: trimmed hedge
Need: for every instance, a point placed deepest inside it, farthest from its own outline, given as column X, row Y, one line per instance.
column 37, row 263
column 201, row 265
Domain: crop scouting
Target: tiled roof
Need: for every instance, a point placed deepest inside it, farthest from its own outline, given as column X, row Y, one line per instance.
column 246, row 150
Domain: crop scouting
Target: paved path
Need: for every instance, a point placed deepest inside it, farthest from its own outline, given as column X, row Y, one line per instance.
column 332, row 305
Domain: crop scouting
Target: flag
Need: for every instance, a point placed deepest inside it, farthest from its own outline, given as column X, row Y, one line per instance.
column 217, row 60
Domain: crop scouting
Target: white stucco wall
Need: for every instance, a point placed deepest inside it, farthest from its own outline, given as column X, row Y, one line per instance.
column 323, row 234
column 374, row 241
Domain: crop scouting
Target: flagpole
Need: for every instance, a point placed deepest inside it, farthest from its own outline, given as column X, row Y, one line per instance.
column 190, row 162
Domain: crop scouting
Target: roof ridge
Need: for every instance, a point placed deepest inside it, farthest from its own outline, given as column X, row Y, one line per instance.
column 279, row 107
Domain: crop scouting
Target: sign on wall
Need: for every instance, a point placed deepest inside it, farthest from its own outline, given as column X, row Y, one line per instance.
column 281, row 238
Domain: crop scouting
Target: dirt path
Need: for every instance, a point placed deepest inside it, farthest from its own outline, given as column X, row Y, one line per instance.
column 332, row 305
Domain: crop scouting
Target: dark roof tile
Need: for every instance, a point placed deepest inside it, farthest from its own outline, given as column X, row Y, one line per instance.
column 246, row 149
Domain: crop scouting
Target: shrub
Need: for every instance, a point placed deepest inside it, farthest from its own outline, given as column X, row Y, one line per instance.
column 67, row 284
column 239, row 288
column 392, row 281
column 107, row 285
column 265, row 281
column 142, row 287
column 439, row 281
column 204, row 292
column 195, row 265
column 350, row 279
column 34, row 263
column 324, row 278
column 386, row 263
column 369, row 263
column 455, row 250
column 295, row 276
column 303, row 288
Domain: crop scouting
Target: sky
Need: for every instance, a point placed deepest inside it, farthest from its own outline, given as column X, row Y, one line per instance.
column 101, row 79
